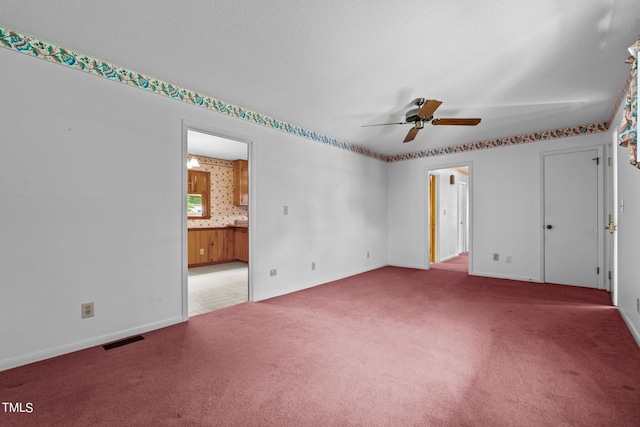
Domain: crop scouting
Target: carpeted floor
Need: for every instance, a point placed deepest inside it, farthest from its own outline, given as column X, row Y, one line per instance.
column 391, row 347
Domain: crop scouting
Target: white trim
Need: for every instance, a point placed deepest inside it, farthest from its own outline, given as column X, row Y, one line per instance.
column 508, row 277
column 84, row 344
column 415, row 266
column 332, row 279
column 447, row 258
column 615, row 217
column 184, row 225
column 631, row 326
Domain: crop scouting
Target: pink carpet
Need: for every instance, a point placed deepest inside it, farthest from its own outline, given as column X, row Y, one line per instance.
column 392, row 347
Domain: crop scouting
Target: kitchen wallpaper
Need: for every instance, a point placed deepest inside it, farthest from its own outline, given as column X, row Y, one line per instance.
column 223, row 211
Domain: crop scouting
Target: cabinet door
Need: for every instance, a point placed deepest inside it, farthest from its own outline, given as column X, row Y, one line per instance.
column 212, row 243
column 191, row 245
column 245, row 245
column 241, row 183
column 226, row 244
column 241, row 244
column 198, row 181
column 198, row 248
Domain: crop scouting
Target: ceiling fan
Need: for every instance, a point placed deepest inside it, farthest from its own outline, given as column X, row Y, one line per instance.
column 424, row 114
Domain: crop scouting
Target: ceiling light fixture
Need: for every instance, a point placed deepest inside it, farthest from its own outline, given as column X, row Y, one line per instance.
column 193, row 163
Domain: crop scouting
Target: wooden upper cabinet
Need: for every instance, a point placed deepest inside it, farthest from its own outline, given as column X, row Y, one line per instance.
column 198, row 194
column 241, row 183
column 199, row 181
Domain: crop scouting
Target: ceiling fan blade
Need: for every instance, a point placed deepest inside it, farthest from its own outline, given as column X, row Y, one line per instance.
column 429, row 107
column 385, row 124
column 455, row 122
column 411, row 135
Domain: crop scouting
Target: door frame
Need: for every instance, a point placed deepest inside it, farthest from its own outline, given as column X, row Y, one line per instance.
column 227, row 134
column 611, row 206
column 600, row 208
column 430, row 170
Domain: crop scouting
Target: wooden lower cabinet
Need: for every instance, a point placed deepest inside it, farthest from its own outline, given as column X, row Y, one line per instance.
column 241, row 244
column 210, row 246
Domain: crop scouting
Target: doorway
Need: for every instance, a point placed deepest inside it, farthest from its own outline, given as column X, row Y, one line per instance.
column 216, row 237
column 572, row 204
column 448, row 214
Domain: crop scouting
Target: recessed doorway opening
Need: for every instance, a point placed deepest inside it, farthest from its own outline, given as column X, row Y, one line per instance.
column 448, row 216
column 217, row 229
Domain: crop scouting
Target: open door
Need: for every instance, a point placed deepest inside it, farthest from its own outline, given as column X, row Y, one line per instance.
column 433, row 211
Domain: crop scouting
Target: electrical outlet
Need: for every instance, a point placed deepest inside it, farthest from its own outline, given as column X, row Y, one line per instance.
column 273, row 272
column 87, row 310
column 368, row 255
column 313, row 265
column 496, row 257
column 508, row 259
column 285, row 210
column 201, row 251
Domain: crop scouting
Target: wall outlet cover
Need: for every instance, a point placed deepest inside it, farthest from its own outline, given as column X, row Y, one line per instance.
column 87, row 310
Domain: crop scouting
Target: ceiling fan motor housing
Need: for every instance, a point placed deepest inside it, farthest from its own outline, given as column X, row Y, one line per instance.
column 413, row 116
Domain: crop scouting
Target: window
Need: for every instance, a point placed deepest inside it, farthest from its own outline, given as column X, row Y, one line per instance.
column 194, row 204
column 198, row 194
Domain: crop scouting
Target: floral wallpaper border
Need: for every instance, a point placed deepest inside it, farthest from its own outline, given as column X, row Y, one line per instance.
column 49, row 52
column 504, row 142
column 52, row 53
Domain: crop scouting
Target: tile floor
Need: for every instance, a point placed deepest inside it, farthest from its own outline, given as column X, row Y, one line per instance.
column 217, row 286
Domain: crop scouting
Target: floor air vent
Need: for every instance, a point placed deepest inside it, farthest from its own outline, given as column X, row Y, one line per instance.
column 122, row 342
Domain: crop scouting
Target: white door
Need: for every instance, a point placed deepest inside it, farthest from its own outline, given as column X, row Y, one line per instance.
column 571, row 218
column 462, row 217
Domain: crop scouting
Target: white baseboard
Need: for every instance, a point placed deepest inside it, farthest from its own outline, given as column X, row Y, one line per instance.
column 325, row 280
column 632, row 328
column 506, row 276
column 417, row 267
column 37, row 356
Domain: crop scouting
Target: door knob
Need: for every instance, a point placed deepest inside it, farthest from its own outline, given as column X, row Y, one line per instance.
column 549, row 227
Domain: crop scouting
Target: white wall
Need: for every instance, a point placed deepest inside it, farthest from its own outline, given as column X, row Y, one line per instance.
column 83, row 221
column 628, row 237
column 337, row 212
column 505, row 186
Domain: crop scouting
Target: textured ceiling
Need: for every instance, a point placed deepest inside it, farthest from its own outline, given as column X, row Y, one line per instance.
column 335, row 65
